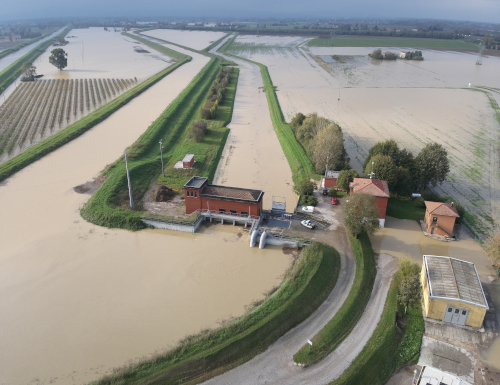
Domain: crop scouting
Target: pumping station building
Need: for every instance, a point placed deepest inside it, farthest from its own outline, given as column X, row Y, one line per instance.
column 199, row 195
column 452, row 291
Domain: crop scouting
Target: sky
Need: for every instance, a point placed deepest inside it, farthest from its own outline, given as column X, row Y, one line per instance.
column 470, row 10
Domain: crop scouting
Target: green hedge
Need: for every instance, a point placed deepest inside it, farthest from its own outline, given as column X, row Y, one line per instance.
column 339, row 327
column 389, row 348
column 295, row 154
column 198, row 358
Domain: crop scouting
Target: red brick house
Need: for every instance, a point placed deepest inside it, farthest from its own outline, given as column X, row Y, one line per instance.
column 199, row 195
column 375, row 187
column 330, row 179
column 188, row 161
column 440, row 218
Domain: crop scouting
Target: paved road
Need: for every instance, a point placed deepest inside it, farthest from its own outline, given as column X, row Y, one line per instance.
column 275, row 365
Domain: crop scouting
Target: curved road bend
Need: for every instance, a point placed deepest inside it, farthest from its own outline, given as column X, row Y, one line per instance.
column 275, row 365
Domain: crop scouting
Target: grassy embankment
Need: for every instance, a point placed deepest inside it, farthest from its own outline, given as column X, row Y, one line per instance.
column 17, row 47
column 389, row 348
column 295, row 154
column 198, row 358
column 12, row 72
column 339, row 327
column 84, row 124
column 363, row 41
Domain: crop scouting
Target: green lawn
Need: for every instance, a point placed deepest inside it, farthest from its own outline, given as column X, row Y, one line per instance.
column 364, row 41
column 339, row 327
column 197, row 358
column 403, row 208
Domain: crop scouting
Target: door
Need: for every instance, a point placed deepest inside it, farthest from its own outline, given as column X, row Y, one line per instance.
column 456, row 315
column 432, row 230
column 448, row 314
column 463, row 317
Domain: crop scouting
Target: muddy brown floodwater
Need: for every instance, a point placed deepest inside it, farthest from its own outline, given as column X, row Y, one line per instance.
column 77, row 299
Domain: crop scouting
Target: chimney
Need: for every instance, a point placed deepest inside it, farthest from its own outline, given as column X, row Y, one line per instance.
column 452, row 204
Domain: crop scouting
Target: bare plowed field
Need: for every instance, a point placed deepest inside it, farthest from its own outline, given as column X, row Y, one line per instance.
column 35, row 110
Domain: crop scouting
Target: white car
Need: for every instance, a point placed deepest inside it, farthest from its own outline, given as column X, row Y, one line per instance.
column 308, row 209
column 308, row 224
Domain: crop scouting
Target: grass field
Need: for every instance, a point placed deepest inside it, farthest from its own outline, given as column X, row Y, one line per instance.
column 403, row 208
column 295, row 154
column 339, row 327
column 363, row 41
column 79, row 127
column 35, row 110
column 198, row 358
column 390, row 348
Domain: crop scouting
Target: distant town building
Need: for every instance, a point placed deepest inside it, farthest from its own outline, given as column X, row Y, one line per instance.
column 452, row 291
column 440, row 218
column 377, row 188
column 406, row 55
column 199, row 195
column 330, row 179
column 188, row 161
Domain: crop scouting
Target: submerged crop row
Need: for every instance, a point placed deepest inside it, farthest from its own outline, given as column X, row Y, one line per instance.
column 35, row 110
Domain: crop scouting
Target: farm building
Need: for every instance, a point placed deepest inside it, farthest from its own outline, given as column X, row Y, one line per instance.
column 440, row 218
column 452, row 291
column 406, row 55
column 330, row 179
column 188, row 161
column 199, row 195
column 375, row 187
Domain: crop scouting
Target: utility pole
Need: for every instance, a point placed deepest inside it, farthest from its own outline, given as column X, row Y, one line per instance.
column 161, row 152
column 129, row 185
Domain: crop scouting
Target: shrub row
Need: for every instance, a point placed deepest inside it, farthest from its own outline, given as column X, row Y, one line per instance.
column 198, row 358
column 216, row 93
column 339, row 327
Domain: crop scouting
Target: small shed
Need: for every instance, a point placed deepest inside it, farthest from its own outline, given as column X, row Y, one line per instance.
column 452, row 291
column 188, row 161
column 330, row 179
column 440, row 218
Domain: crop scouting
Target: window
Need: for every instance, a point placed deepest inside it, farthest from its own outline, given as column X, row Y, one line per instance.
column 232, row 212
column 434, row 220
column 449, row 310
column 222, row 211
column 464, row 312
column 196, row 195
column 457, row 311
column 244, row 213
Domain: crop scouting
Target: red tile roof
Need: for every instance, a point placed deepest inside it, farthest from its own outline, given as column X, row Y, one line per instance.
column 375, row 187
column 440, row 208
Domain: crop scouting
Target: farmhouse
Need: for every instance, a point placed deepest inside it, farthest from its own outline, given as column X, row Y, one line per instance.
column 440, row 218
column 199, row 195
column 452, row 291
column 406, row 55
column 377, row 188
column 188, row 161
column 330, row 179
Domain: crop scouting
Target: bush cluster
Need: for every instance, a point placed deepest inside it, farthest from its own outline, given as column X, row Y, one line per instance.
column 199, row 129
column 216, row 93
column 308, row 200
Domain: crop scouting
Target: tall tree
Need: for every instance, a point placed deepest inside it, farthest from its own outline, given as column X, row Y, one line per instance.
column 297, row 121
column 29, row 71
column 59, row 58
column 329, row 152
column 431, row 166
column 360, row 214
column 384, row 169
column 389, row 147
column 345, row 178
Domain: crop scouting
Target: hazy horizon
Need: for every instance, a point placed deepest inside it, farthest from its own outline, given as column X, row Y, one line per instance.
column 483, row 11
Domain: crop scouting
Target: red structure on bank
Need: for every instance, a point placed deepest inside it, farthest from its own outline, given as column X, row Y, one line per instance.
column 188, row 161
column 199, row 195
column 377, row 188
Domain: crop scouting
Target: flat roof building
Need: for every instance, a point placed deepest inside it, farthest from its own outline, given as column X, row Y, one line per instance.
column 452, row 291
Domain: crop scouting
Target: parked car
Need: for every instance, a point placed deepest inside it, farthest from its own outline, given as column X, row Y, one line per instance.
column 308, row 209
column 308, row 224
column 335, row 201
column 325, row 192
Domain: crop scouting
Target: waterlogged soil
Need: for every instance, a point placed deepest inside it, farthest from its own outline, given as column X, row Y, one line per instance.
column 413, row 102
column 193, row 39
column 78, row 299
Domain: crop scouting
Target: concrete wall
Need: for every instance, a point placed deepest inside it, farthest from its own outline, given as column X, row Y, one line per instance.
column 436, row 308
column 171, row 226
column 444, row 222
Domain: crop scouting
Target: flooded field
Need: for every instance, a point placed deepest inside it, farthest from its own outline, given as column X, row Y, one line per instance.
column 78, row 299
column 192, row 39
column 412, row 102
column 252, row 156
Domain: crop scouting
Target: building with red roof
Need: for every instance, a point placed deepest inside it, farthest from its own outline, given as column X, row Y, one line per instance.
column 376, row 188
column 440, row 218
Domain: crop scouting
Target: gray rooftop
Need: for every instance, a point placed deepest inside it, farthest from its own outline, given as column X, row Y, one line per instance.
column 454, row 279
column 188, row 158
column 332, row 174
column 195, row 182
